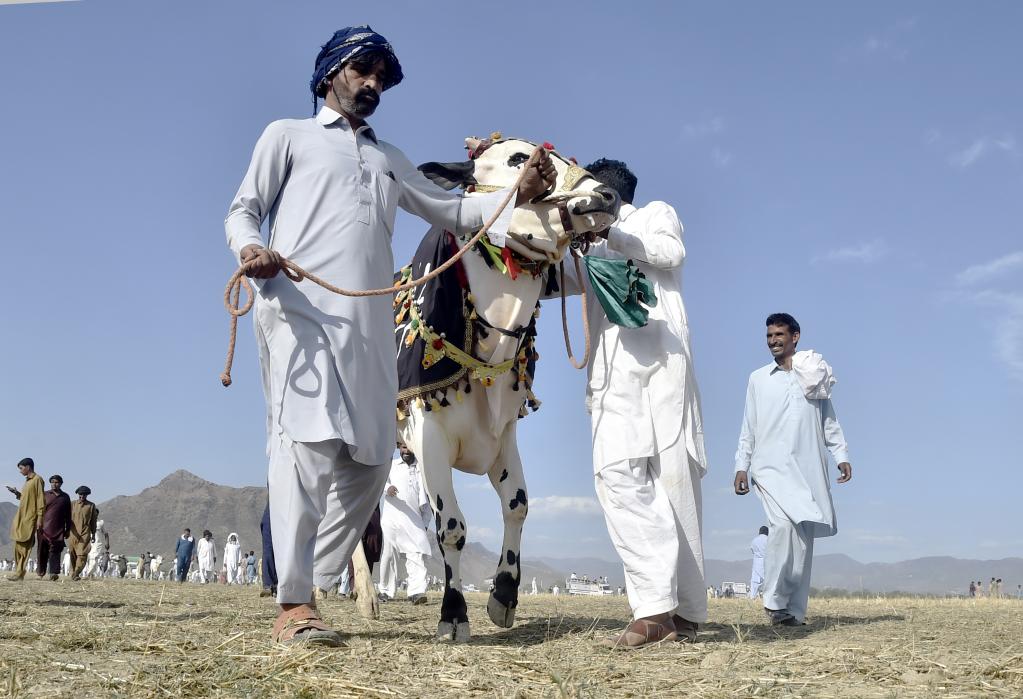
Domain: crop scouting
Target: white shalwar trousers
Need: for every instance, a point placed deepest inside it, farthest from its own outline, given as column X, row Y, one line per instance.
column 320, row 503
column 653, row 509
column 756, row 578
column 415, row 566
column 788, row 560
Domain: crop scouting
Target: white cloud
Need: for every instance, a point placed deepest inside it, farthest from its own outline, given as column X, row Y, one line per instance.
column 865, row 253
column 981, row 147
column 483, row 534
column 1008, row 327
column 704, row 128
column 931, row 136
column 982, row 273
column 1007, row 307
column 721, row 158
column 868, row 536
column 558, row 505
column 889, row 43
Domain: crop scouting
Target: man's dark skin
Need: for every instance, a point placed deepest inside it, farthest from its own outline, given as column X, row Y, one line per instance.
column 781, row 342
column 355, row 95
column 408, row 457
column 55, row 487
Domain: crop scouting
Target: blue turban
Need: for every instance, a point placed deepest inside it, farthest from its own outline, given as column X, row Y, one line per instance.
column 342, row 47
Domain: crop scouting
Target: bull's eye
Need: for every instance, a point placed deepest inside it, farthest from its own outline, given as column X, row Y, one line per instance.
column 517, row 159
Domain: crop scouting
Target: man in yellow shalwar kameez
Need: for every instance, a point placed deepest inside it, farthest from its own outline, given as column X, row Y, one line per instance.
column 84, row 517
column 28, row 518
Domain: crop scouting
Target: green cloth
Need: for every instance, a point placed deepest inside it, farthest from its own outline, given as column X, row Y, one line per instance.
column 621, row 289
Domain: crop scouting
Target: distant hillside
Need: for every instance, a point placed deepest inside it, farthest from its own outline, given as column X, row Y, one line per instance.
column 153, row 519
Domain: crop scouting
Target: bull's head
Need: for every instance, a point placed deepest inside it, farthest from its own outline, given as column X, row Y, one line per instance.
column 542, row 229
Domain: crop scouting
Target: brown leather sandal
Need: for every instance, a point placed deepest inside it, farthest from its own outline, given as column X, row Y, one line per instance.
column 303, row 624
column 641, row 633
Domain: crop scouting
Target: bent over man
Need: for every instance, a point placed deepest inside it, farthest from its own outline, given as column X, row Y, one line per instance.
column 330, row 187
column 648, row 453
column 788, row 427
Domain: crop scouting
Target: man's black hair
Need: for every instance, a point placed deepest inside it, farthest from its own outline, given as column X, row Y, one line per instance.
column 28, row 462
column 764, row 530
column 784, row 319
column 56, row 477
column 188, row 530
column 616, row 175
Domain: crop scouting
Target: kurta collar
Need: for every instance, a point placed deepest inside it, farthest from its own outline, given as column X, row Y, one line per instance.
column 626, row 210
column 777, row 367
column 328, row 117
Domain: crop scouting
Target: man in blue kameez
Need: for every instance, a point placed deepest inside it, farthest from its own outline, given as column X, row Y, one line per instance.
column 788, row 428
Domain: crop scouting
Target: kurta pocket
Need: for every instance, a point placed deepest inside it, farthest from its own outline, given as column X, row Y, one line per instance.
column 388, row 191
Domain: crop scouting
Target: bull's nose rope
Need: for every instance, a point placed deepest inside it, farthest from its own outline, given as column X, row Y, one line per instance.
column 239, row 280
column 586, row 316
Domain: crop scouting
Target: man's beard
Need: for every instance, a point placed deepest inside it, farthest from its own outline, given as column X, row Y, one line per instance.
column 359, row 106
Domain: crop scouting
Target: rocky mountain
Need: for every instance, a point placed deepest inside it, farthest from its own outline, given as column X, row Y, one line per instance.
column 153, row 519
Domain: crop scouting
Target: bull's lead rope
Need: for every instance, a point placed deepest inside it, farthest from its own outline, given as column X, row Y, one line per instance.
column 239, row 280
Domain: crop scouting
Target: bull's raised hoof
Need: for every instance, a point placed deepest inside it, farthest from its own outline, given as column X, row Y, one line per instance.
column 457, row 632
column 500, row 614
column 504, row 598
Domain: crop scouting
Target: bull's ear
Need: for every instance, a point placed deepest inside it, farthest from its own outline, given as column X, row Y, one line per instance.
column 450, row 175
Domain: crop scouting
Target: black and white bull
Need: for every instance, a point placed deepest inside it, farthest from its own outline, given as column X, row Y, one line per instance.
column 471, row 425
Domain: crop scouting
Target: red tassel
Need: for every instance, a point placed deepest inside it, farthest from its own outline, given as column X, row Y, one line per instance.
column 510, row 263
column 463, row 278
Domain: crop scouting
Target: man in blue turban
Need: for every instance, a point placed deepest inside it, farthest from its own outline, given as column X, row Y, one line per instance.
column 331, row 188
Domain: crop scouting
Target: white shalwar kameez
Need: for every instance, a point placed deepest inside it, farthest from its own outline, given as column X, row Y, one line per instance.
column 404, row 518
column 329, row 374
column 206, row 557
column 232, row 559
column 756, row 579
column 783, row 444
column 648, row 453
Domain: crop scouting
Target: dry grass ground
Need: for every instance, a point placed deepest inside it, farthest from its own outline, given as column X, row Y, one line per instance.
column 128, row 638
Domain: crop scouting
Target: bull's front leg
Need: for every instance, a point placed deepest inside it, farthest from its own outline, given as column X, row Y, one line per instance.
column 433, row 451
column 509, row 482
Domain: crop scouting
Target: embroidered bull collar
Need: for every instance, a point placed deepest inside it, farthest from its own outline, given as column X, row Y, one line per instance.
column 437, row 333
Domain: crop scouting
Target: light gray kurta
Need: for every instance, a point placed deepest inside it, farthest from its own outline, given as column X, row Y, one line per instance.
column 783, row 444
column 331, row 195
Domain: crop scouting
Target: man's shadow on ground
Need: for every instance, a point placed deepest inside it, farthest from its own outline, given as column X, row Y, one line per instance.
column 763, row 631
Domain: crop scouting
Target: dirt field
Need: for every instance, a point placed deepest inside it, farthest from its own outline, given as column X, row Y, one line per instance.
column 128, row 638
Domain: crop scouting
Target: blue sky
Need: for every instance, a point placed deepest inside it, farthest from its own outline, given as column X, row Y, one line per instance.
column 857, row 165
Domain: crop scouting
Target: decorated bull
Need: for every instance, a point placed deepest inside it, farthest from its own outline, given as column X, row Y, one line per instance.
column 466, row 351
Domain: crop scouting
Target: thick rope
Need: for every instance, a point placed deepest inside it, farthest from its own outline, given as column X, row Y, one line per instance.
column 564, row 315
column 239, row 280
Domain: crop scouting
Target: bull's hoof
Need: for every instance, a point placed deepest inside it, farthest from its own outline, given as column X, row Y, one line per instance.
column 500, row 613
column 457, row 632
